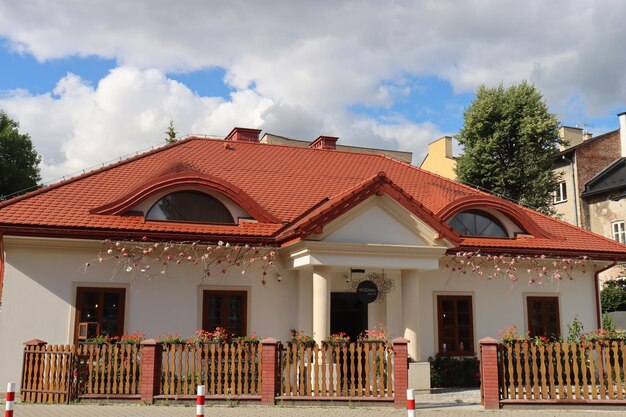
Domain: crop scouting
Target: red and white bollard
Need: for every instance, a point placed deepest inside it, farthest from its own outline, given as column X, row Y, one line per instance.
column 10, row 399
column 410, row 402
column 200, row 401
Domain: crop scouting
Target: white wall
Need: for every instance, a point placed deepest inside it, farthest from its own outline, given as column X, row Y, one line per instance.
column 40, row 287
column 499, row 302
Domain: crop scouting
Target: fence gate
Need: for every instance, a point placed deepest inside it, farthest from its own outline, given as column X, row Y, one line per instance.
column 47, row 374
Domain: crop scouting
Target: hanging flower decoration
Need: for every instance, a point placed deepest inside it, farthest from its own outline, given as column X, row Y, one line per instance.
column 154, row 258
column 535, row 268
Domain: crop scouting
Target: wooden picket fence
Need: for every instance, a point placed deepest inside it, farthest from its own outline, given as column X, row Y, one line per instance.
column 224, row 369
column 107, row 370
column 59, row 373
column 357, row 370
column 47, row 373
column 562, row 372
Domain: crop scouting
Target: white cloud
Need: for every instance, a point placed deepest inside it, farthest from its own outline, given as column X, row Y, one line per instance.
column 328, row 55
column 298, row 66
column 130, row 110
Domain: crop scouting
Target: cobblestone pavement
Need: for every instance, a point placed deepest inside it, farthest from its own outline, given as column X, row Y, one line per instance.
column 444, row 403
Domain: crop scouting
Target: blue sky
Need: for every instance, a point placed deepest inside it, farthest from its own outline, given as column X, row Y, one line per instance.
column 101, row 80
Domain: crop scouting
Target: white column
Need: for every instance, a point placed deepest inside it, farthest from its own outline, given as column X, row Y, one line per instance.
column 410, row 301
column 394, row 302
column 321, row 302
column 305, row 301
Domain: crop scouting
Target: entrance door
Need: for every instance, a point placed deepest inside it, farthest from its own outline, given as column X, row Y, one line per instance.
column 348, row 314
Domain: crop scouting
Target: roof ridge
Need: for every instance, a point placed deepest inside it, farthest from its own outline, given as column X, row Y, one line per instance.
column 448, row 180
column 104, row 168
column 306, row 148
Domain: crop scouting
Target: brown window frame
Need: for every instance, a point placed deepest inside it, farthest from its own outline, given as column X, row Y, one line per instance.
column 80, row 291
column 543, row 300
column 440, row 327
column 226, row 293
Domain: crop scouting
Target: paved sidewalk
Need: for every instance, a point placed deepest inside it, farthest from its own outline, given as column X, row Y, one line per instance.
column 441, row 403
column 27, row 410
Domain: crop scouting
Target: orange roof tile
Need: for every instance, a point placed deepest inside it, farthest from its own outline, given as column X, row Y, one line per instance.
column 289, row 184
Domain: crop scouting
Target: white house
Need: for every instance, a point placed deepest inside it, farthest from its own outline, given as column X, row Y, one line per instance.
column 263, row 238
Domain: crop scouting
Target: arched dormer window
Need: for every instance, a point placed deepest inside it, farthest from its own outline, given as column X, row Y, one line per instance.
column 190, row 206
column 477, row 223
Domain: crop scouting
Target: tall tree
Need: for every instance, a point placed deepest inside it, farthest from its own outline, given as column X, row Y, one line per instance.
column 19, row 162
column 509, row 139
column 171, row 133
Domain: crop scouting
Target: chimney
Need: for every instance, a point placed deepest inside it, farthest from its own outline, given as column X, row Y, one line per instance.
column 242, row 134
column 324, row 142
column 587, row 136
column 448, row 146
column 572, row 135
column 622, row 132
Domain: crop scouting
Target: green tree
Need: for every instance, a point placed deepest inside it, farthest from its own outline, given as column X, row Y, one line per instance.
column 613, row 295
column 171, row 133
column 19, row 162
column 509, row 139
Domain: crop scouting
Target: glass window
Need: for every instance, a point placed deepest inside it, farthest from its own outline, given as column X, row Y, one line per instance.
column 477, row 223
column 225, row 309
column 456, row 332
column 543, row 316
column 560, row 195
column 619, row 233
column 100, row 311
column 190, row 206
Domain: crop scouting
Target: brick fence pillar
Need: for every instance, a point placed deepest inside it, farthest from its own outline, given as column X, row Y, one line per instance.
column 150, row 384
column 269, row 370
column 489, row 381
column 400, row 371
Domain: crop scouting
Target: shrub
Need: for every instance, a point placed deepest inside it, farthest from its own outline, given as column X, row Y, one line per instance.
column 454, row 372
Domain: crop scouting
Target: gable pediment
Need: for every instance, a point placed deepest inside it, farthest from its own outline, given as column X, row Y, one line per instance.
column 380, row 220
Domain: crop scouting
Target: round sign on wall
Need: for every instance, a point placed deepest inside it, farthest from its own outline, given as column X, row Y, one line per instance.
column 367, row 291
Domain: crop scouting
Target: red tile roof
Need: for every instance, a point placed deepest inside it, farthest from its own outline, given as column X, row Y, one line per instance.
column 288, row 184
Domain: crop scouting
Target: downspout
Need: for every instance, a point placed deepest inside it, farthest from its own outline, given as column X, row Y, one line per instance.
column 596, row 281
column 575, row 188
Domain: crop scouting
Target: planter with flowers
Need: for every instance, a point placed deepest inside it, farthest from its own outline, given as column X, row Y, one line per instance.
column 172, row 339
column 132, row 339
column 100, row 339
column 376, row 335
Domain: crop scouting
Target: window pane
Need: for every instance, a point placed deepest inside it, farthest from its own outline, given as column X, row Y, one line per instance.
column 190, row 206
column 477, row 223
column 88, row 306
column 225, row 309
column 543, row 316
column 110, row 314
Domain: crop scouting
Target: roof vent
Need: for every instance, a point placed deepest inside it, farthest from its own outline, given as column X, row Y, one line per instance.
column 241, row 134
column 324, row 142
